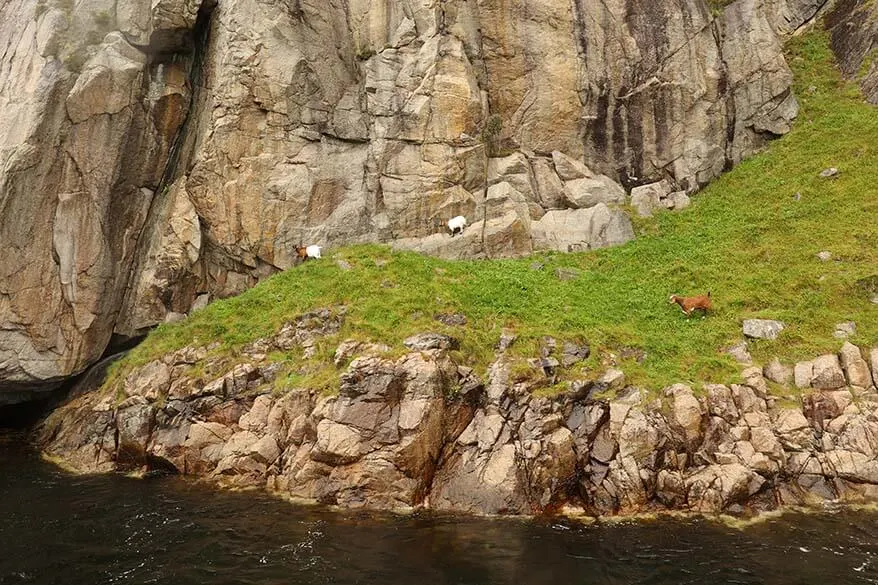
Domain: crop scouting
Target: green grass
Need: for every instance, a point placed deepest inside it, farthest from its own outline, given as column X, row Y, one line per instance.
column 746, row 238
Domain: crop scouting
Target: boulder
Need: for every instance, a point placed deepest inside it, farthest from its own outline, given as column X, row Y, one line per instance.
column 428, row 341
column 721, row 403
column 685, row 414
column 574, row 353
column 588, row 192
column 680, row 200
column 753, row 378
column 778, row 372
column 845, row 330
column 568, row 168
column 716, row 487
column 573, row 230
column 612, row 378
column 794, row 430
column 827, row 374
column 853, row 466
column 855, row 367
column 202, row 434
column 762, row 328
column 648, row 198
column 550, row 188
column 740, row 353
column 803, row 373
column 337, row 444
column 257, row 417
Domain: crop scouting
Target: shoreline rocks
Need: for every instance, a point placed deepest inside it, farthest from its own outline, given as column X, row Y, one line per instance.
column 420, row 430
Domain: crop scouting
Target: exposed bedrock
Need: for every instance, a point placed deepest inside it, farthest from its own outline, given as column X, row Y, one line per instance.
column 420, row 430
column 854, row 29
column 158, row 154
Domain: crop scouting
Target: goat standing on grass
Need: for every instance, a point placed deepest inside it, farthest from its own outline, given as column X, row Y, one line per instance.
column 456, row 224
column 307, row 252
column 690, row 304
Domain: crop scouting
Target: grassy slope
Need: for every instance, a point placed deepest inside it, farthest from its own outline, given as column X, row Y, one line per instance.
column 746, row 238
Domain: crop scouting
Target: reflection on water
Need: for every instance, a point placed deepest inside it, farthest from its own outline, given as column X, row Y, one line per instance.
column 57, row 528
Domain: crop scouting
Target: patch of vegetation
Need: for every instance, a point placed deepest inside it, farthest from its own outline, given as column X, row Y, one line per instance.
column 77, row 46
column 364, row 53
column 751, row 238
column 716, row 6
column 75, row 59
column 40, row 9
column 102, row 20
column 492, row 135
column 66, row 6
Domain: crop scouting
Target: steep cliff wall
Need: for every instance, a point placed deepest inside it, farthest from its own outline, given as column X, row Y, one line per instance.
column 86, row 123
column 153, row 153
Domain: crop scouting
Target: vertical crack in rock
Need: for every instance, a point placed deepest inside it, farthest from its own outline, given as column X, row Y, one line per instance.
column 171, row 242
column 728, row 93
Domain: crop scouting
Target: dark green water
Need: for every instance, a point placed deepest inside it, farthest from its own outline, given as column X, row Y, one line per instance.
column 58, row 528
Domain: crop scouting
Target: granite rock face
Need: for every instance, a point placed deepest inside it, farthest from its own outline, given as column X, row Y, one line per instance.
column 422, row 431
column 854, row 33
column 152, row 153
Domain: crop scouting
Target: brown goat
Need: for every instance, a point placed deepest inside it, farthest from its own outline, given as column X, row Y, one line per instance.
column 690, row 304
column 302, row 252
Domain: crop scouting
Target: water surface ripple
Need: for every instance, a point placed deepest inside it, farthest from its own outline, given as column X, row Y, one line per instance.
column 71, row 530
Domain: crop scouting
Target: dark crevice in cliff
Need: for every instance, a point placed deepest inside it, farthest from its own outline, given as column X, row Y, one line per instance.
column 26, row 414
column 201, row 39
column 726, row 92
column 22, row 415
column 122, row 343
column 181, row 146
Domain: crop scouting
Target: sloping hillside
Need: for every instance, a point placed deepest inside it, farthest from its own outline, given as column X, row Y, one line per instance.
column 751, row 238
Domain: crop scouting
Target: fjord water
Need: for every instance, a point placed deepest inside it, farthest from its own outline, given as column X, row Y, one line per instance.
column 72, row 530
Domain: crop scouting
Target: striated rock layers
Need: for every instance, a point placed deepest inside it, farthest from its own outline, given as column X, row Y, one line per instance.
column 152, row 153
column 421, row 430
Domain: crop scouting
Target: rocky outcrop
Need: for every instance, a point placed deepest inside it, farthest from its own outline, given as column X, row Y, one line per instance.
column 854, row 29
column 199, row 144
column 423, row 431
column 762, row 328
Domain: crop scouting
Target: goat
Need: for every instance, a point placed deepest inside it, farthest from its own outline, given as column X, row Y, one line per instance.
column 456, row 224
column 690, row 304
column 304, row 253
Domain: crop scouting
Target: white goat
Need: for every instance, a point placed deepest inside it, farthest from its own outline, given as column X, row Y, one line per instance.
column 456, row 224
column 309, row 252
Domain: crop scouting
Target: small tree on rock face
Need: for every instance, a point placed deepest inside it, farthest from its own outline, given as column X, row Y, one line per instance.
column 491, row 134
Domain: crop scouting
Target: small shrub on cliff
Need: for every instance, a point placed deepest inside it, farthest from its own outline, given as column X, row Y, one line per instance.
column 492, row 135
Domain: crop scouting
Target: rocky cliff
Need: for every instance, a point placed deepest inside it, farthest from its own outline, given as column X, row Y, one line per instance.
column 154, row 155
column 854, row 28
column 420, row 430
